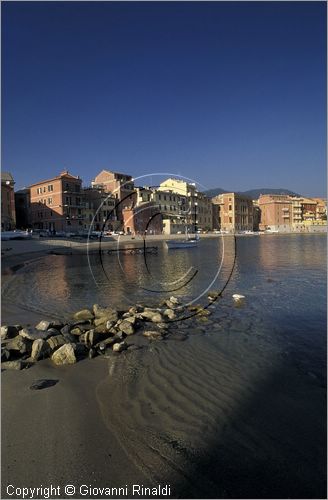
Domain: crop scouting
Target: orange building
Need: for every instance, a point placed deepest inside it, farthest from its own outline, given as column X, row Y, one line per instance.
column 119, row 185
column 232, row 212
column 276, row 212
column 57, row 204
column 8, row 214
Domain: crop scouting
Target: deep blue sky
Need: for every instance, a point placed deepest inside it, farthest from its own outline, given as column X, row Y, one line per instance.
column 232, row 94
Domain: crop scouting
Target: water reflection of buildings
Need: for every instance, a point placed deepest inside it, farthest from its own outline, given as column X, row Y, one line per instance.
column 277, row 252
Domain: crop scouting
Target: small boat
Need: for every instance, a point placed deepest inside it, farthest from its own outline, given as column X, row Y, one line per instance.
column 175, row 244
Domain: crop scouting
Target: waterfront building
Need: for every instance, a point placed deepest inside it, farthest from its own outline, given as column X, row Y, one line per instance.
column 256, row 215
column 321, row 211
column 121, row 186
column 99, row 210
column 233, row 212
column 194, row 205
column 8, row 213
column 23, row 209
column 142, row 219
column 57, row 204
column 276, row 212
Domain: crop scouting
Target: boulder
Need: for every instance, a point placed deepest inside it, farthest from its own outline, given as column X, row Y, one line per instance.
column 76, row 331
column 20, row 344
column 43, row 383
column 90, row 338
column 101, row 329
column 5, row 355
column 56, row 341
column 212, row 296
column 174, row 300
column 126, row 327
column 40, row 349
column 101, row 321
column 105, row 312
column 169, row 304
column 12, row 365
column 119, row 347
column 33, row 334
column 80, row 349
column 152, row 315
column 169, row 313
column 84, row 314
column 238, row 298
column 153, row 334
column 65, row 330
column 8, row 332
column 43, row 325
column 131, row 319
column 65, row 355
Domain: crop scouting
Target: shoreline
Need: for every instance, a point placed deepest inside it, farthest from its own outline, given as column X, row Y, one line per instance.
column 40, row 247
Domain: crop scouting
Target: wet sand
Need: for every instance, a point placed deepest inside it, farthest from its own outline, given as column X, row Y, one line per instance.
column 56, row 436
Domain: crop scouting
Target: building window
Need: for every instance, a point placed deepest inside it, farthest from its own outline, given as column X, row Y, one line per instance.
column 44, row 189
column 50, row 187
column 49, row 201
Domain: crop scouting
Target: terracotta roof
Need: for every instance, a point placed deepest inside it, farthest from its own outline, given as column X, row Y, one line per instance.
column 60, row 176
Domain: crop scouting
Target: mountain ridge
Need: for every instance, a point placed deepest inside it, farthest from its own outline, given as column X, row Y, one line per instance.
column 251, row 193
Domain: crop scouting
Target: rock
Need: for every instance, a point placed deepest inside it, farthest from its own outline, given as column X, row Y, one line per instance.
column 80, row 349
column 86, row 328
column 126, row 327
column 56, row 323
column 152, row 315
column 102, row 346
column 213, row 296
column 133, row 310
column 5, row 355
column 162, row 326
column 90, row 338
column 65, row 355
column 110, row 324
column 12, row 365
column 40, row 349
column 92, row 353
column 119, row 347
column 105, row 312
column 169, row 304
column 19, row 344
column 43, row 325
column 56, row 341
column 153, row 335
column 43, row 383
column 131, row 319
column 84, row 314
column 81, row 322
column 169, row 313
column 237, row 297
column 174, row 300
column 8, row 332
column 33, row 334
column 100, row 321
column 76, row 331
column 69, row 338
column 65, row 330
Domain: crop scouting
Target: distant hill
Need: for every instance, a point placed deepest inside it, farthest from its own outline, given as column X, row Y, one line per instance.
column 251, row 193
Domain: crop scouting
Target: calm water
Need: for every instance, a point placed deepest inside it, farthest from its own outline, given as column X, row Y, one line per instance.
column 239, row 409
